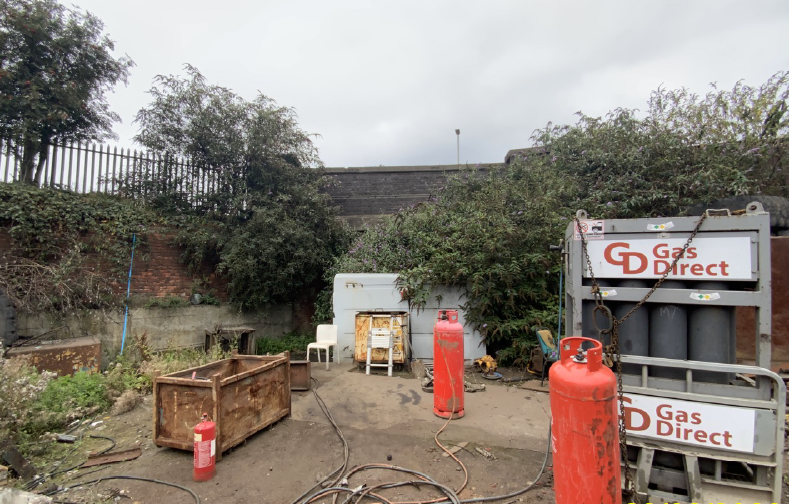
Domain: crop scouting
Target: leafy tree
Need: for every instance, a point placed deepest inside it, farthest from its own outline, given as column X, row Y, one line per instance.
column 55, row 68
column 685, row 149
column 266, row 223
column 490, row 235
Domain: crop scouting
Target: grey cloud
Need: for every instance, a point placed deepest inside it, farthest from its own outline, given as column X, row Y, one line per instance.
column 387, row 82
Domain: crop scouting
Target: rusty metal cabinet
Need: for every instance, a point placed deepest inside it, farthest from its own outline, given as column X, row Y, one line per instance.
column 397, row 321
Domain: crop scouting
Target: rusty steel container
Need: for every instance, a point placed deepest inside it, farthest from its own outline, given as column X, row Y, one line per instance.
column 448, row 367
column 584, row 425
column 242, row 395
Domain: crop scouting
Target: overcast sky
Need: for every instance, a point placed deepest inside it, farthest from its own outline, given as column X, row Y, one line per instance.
column 388, row 82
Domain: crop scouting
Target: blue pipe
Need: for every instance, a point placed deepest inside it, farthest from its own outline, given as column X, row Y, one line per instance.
column 561, row 280
column 128, row 289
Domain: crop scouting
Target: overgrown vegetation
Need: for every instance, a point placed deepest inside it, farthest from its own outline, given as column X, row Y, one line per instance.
column 293, row 342
column 265, row 224
column 490, row 234
column 67, row 251
column 35, row 403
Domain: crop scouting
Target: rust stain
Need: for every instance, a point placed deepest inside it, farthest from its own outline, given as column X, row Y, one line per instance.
column 448, row 344
column 63, row 357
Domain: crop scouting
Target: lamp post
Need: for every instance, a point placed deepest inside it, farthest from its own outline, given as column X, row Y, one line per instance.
column 457, row 132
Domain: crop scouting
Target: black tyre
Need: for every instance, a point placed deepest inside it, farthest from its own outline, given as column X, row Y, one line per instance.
column 777, row 206
column 7, row 321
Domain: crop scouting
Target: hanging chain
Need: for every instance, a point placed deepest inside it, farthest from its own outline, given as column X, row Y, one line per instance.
column 612, row 352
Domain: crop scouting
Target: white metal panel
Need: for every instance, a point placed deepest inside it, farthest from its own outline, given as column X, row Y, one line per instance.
column 378, row 291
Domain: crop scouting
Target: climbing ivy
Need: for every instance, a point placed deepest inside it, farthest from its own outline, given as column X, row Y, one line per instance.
column 66, row 250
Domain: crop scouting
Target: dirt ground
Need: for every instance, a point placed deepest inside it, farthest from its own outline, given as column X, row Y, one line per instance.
column 380, row 416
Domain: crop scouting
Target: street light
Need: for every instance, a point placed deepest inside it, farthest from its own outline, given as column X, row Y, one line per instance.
column 457, row 132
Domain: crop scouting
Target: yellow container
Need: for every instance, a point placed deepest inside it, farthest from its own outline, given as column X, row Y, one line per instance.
column 398, row 321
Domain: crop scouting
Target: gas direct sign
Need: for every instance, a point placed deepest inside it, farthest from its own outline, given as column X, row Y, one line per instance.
column 693, row 423
column 725, row 258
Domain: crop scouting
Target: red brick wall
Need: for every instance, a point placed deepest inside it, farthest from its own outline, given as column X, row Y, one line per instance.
column 157, row 270
column 746, row 346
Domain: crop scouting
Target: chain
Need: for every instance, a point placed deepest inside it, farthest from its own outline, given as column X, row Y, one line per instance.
column 613, row 355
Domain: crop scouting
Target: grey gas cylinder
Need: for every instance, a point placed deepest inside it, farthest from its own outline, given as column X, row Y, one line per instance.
column 710, row 335
column 588, row 325
column 668, row 333
column 633, row 332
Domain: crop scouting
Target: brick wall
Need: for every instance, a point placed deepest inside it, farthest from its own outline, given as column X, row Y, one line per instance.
column 157, row 270
column 365, row 195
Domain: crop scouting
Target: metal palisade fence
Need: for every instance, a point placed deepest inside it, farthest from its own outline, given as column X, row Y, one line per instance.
column 103, row 169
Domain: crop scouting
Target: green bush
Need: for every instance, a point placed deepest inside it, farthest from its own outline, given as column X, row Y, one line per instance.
column 294, row 343
column 81, row 390
column 489, row 234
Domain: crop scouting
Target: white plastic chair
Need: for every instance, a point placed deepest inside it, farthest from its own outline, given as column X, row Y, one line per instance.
column 325, row 338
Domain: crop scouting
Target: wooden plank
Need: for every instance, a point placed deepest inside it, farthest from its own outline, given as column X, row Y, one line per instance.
column 111, row 458
column 13, row 458
column 455, row 449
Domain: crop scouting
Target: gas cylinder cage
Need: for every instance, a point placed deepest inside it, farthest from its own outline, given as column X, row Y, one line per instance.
column 749, row 401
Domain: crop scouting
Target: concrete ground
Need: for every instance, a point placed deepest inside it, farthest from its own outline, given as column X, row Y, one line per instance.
column 380, row 417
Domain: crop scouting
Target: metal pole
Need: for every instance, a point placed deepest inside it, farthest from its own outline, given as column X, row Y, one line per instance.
column 457, row 132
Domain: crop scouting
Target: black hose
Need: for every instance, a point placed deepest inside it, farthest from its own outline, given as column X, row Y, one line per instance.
column 339, row 489
column 137, row 478
column 102, row 452
column 518, row 492
column 346, row 448
column 428, row 480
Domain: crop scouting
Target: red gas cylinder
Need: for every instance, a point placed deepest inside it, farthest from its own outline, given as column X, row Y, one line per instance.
column 205, row 450
column 448, row 369
column 584, row 426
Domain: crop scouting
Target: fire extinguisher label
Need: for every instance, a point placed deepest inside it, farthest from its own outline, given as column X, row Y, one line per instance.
column 204, row 453
column 213, row 447
column 198, row 437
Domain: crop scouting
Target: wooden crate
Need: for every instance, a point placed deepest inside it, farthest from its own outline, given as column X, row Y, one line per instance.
column 243, row 395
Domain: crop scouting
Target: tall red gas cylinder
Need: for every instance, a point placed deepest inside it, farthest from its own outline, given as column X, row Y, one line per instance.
column 448, row 369
column 205, row 450
column 584, row 425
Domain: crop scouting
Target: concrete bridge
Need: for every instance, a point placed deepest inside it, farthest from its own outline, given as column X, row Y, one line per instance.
column 367, row 194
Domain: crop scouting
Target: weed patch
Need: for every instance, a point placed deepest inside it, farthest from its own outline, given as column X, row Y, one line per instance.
column 294, row 343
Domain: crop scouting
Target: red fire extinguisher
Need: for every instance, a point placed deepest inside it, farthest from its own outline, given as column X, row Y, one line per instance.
column 448, row 370
column 205, row 450
column 584, row 426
